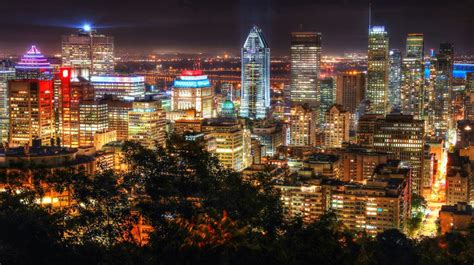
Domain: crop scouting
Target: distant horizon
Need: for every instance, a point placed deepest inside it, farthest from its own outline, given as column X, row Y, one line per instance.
column 213, row 26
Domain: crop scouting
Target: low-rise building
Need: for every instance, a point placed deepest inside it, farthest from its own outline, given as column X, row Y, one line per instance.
column 457, row 217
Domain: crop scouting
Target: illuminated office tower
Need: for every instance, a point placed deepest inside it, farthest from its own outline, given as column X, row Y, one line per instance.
column 350, row 90
column 193, row 91
column 305, row 53
column 33, row 65
column 6, row 74
column 429, row 101
column 327, row 96
column 146, row 124
column 122, row 87
column 93, row 117
column 411, row 94
column 255, row 89
column 118, row 116
column 302, row 126
column 231, row 140
column 72, row 93
column 403, row 136
column 89, row 52
column 443, row 88
column 336, row 127
column 31, row 111
column 394, row 79
column 377, row 70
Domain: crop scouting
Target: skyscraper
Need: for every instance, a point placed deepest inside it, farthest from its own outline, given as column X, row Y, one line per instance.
column 305, row 55
column 394, row 79
column 88, row 52
column 411, row 99
column 31, row 111
column 443, row 88
column 327, row 96
column 255, row 89
column 33, row 65
column 377, row 70
column 350, row 90
column 72, row 93
column 6, row 74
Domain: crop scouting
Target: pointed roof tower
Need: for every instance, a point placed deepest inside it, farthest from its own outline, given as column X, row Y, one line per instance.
column 33, row 59
column 255, row 39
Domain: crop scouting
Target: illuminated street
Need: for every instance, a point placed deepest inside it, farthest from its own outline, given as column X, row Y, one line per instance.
column 438, row 191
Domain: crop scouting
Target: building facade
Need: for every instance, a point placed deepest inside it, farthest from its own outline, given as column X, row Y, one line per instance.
column 403, row 136
column 146, row 124
column 31, row 111
column 350, row 90
column 193, row 91
column 305, row 53
column 93, row 117
column 394, row 79
column 255, row 80
column 336, row 127
column 122, row 87
column 302, row 126
column 89, row 52
column 377, row 70
column 413, row 73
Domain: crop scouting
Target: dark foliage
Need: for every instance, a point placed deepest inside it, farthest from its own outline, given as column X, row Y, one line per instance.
column 200, row 213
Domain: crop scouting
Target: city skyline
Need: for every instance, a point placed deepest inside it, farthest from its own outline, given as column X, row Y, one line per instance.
column 343, row 24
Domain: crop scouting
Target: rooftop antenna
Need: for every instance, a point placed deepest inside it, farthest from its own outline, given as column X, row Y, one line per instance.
column 370, row 14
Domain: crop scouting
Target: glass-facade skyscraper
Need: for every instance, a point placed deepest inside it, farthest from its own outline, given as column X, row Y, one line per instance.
column 377, row 70
column 305, row 55
column 255, row 90
column 443, row 88
column 327, row 96
column 413, row 77
column 394, row 79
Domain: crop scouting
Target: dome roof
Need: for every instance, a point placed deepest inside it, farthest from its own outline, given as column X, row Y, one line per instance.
column 228, row 105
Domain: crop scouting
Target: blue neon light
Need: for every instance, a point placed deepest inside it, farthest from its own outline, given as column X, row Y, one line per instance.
column 191, row 84
column 86, row 27
column 460, row 70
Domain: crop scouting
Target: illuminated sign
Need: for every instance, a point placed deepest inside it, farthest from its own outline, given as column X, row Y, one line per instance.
column 65, row 73
column 117, row 79
column 191, row 72
column 377, row 29
column 191, row 83
column 198, row 77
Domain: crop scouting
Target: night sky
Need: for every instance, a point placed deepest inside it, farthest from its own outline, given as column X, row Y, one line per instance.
column 214, row 26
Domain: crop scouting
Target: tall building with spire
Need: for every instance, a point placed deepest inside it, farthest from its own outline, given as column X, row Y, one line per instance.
column 255, row 79
column 377, row 70
column 305, row 55
column 88, row 52
column 413, row 76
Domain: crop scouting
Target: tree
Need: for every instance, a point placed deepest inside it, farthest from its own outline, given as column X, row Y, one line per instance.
column 182, row 185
